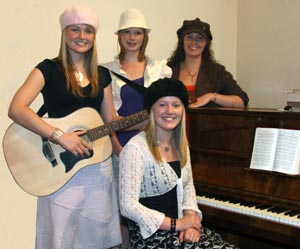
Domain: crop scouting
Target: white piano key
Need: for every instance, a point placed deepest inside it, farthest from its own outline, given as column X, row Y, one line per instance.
column 251, row 211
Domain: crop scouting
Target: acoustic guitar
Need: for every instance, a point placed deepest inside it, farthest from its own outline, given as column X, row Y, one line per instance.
column 41, row 167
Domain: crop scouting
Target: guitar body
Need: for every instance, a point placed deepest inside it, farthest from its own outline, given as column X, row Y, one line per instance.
column 41, row 167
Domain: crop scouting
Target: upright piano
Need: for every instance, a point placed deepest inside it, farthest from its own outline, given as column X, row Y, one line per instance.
column 261, row 205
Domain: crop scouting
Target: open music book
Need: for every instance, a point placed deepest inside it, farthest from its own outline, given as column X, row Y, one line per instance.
column 276, row 150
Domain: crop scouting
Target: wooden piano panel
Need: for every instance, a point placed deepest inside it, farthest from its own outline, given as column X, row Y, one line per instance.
column 221, row 145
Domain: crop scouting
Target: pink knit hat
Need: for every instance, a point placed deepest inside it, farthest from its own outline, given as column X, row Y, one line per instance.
column 78, row 15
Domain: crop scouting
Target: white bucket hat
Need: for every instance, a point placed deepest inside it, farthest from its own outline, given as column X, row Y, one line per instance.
column 132, row 18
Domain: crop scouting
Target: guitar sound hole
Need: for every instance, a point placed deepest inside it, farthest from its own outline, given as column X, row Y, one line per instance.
column 86, row 138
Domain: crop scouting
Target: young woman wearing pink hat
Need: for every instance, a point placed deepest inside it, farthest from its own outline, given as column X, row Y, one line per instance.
column 83, row 213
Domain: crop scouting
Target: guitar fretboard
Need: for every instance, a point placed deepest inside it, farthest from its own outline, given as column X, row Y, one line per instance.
column 117, row 125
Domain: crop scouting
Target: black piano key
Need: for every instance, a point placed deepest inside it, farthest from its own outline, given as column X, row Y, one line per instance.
column 277, row 210
column 223, row 198
column 291, row 213
column 235, row 201
column 281, row 210
column 230, row 199
column 209, row 195
column 243, row 203
column 262, row 206
column 217, row 197
column 248, row 203
column 252, row 204
column 272, row 209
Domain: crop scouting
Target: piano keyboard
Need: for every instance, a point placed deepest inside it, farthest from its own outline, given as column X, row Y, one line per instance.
column 276, row 214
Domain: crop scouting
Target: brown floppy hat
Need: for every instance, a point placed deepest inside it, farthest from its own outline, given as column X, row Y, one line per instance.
column 195, row 26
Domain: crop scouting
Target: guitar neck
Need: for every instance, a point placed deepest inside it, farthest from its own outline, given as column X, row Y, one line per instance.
column 117, row 125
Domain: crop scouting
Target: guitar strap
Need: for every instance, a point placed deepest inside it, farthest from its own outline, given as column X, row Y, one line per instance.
column 42, row 111
column 139, row 88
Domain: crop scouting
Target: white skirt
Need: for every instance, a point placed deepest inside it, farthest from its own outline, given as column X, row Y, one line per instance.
column 83, row 214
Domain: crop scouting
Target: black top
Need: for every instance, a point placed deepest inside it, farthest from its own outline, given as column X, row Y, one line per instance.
column 166, row 203
column 58, row 100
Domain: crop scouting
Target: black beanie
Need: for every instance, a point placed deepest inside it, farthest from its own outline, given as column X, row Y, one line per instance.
column 165, row 87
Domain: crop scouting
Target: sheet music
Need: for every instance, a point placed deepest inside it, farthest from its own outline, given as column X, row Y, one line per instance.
column 276, row 150
column 264, row 148
column 287, row 152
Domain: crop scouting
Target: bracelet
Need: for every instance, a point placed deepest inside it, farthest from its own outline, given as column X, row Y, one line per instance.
column 173, row 225
column 55, row 135
column 215, row 99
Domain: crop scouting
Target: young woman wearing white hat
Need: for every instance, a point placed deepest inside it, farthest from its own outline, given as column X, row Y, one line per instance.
column 132, row 63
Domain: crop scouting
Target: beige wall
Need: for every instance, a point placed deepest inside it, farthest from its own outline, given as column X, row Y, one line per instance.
column 268, row 55
column 30, row 33
column 257, row 40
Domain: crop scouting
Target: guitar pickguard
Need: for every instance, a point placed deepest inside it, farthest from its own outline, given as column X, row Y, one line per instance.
column 69, row 160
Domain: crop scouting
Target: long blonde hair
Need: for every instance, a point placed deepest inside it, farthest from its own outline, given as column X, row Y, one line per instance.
column 180, row 139
column 90, row 64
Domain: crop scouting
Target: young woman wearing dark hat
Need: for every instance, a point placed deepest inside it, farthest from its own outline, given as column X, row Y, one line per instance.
column 193, row 63
column 156, row 183
column 84, row 212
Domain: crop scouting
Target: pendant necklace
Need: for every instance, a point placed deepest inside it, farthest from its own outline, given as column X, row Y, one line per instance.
column 166, row 148
column 192, row 75
column 79, row 75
